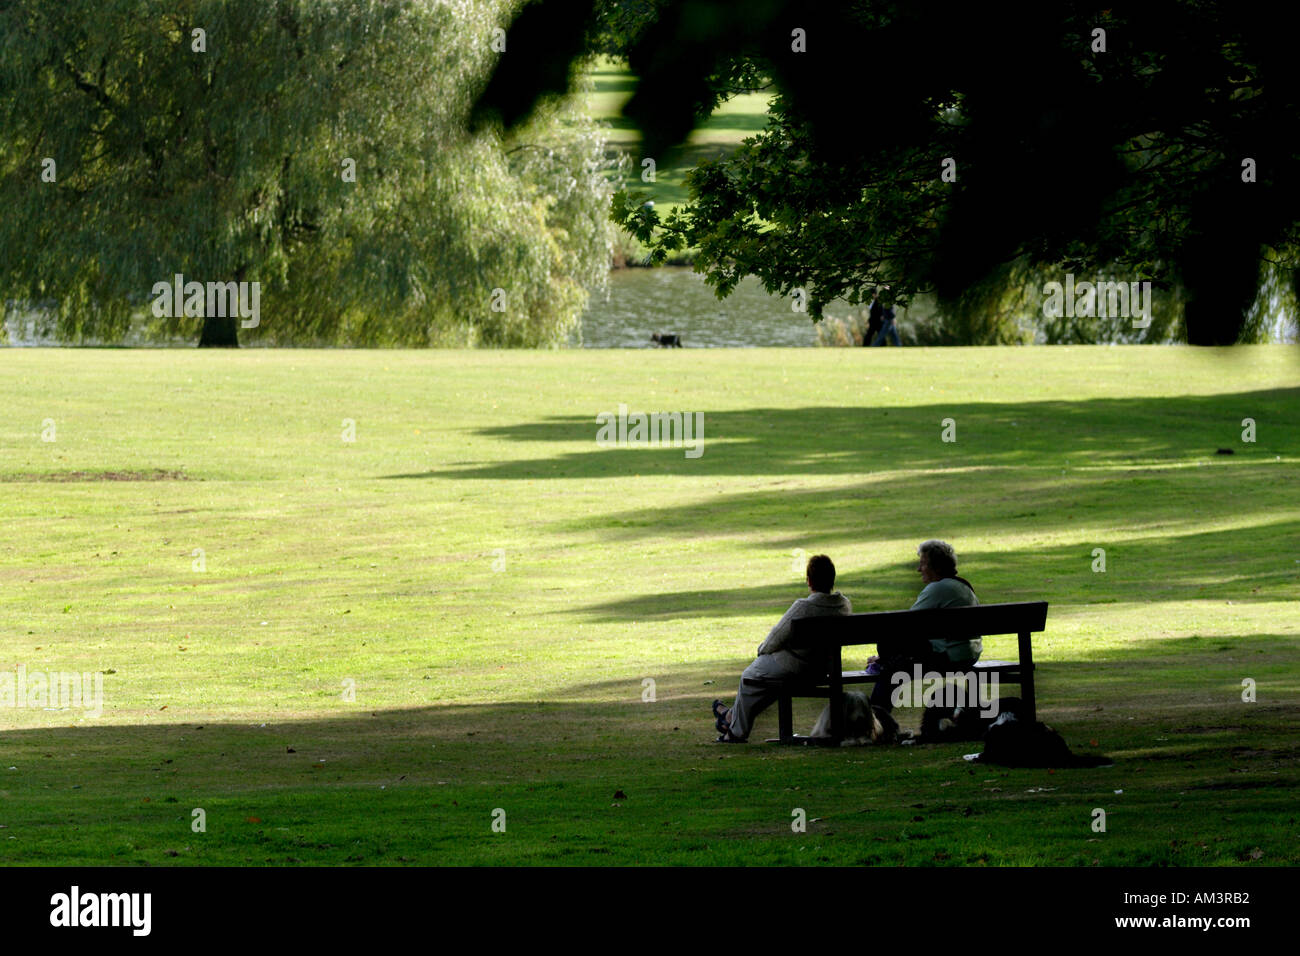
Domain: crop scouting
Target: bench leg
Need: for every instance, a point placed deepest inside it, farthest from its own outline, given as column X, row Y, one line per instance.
column 785, row 718
column 1027, row 677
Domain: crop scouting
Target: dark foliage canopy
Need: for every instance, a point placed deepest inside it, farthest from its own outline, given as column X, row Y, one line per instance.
column 1133, row 149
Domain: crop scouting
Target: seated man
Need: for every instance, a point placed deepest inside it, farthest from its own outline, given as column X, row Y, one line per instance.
column 937, row 565
column 775, row 660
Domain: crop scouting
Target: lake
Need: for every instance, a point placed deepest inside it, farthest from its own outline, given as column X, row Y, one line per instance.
column 672, row 299
column 675, row 299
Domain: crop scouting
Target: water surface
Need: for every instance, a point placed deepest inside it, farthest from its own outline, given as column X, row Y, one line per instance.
column 677, row 300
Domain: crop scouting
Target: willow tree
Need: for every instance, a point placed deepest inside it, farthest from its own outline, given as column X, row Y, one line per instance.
column 317, row 148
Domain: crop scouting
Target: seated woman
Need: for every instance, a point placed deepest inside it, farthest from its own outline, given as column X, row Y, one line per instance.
column 775, row 660
column 937, row 565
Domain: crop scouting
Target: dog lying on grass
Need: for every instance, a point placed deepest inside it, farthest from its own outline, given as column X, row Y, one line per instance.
column 1009, row 740
column 1013, row 742
column 863, row 724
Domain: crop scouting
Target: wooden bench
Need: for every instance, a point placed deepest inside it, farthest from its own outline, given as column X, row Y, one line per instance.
column 832, row 634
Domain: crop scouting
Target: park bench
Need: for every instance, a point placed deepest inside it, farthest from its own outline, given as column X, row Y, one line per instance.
column 831, row 634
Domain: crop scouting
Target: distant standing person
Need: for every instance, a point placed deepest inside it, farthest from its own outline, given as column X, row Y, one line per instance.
column 887, row 328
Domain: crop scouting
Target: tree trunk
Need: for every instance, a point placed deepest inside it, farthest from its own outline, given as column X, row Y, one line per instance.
column 1212, row 322
column 1220, row 261
column 220, row 332
column 1221, row 286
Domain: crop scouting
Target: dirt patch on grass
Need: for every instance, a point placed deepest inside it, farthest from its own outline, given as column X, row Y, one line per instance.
column 1244, row 785
column 1207, row 730
column 153, row 474
column 1239, row 753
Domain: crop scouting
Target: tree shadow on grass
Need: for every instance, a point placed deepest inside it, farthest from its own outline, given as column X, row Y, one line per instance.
column 1172, row 501
column 1234, row 564
column 747, row 123
column 418, row 784
column 1112, row 432
column 1195, row 659
column 1199, row 672
column 1017, row 471
column 613, row 81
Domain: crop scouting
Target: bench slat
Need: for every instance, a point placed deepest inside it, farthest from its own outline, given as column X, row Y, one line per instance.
column 862, row 677
column 985, row 620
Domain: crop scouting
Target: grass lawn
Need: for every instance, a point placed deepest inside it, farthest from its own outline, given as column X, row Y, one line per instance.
column 741, row 116
column 368, row 567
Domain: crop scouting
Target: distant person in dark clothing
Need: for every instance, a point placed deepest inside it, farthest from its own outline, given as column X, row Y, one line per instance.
column 887, row 328
column 875, row 320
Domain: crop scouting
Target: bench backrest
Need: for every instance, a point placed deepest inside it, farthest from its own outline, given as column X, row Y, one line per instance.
column 982, row 620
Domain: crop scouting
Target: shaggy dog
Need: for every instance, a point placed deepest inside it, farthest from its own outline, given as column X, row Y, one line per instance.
column 667, row 341
column 873, row 725
column 863, row 724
